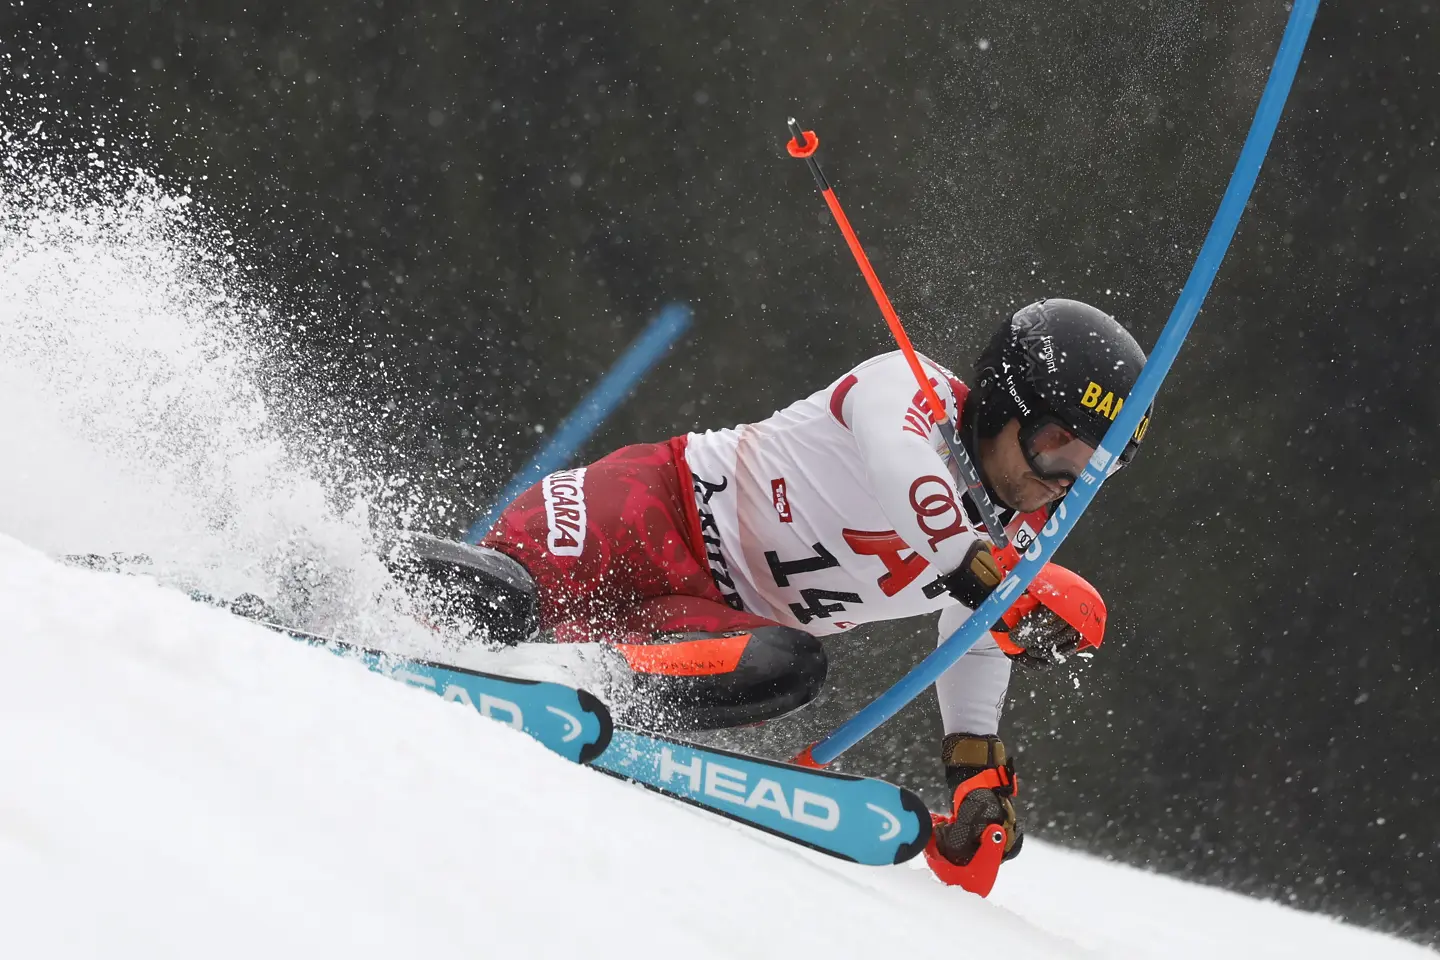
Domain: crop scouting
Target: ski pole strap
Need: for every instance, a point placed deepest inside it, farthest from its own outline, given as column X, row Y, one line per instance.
column 1167, row 347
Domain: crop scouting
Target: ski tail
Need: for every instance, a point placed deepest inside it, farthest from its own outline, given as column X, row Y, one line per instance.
column 573, row 723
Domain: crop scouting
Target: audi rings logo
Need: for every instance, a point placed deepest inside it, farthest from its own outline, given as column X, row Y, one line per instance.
column 1034, row 551
column 936, row 510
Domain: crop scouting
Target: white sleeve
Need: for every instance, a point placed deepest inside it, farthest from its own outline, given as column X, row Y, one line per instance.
column 900, row 448
column 972, row 692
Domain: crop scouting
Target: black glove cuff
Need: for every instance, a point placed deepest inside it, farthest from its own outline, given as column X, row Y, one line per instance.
column 966, row 755
column 977, row 576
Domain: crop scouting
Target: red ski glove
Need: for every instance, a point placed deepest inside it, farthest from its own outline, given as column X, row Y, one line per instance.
column 967, row 847
column 1057, row 616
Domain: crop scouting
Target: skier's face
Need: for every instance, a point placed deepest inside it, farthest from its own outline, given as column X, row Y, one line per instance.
column 1009, row 474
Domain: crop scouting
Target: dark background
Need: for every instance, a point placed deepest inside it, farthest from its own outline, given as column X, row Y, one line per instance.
column 466, row 210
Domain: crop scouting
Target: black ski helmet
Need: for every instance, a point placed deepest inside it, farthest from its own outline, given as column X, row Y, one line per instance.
column 1060, row 358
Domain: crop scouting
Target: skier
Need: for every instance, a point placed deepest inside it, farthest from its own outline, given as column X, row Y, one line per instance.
column 713, row 562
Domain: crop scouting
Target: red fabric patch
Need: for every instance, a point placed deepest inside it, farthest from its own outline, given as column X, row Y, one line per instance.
column 837, row 399
column 781, row 500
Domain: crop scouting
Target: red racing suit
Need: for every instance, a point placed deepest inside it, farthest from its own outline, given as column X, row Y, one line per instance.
column 615, row 548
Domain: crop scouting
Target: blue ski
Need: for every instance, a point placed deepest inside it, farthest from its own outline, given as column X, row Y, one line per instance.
column 573, row 723
column 853, row 818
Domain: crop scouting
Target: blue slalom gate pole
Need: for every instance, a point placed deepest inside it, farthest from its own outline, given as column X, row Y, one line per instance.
column 1207, row 264
column 587, row 416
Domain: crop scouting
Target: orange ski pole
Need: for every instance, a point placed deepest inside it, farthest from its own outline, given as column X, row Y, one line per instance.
column 802, row 145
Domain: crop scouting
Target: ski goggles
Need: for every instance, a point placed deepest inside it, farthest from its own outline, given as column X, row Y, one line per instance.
column 1053, row 451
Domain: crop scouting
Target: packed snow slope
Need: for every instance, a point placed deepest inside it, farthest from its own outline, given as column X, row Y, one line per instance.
column 175, row 782
column 178, row 782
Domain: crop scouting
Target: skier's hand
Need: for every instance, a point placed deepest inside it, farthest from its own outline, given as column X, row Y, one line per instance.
column 1037, row 638
column 1029, row 633
column 977, row 576
column 1059, row 615
column 982, row 783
